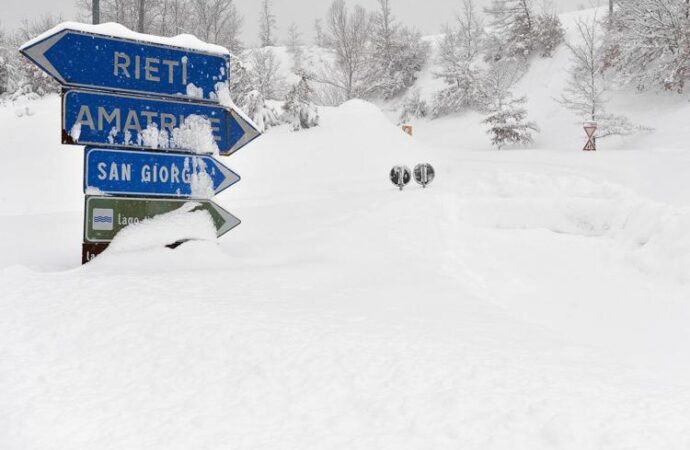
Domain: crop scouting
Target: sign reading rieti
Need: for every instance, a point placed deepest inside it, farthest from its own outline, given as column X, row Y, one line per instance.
column 123, row 172
column 103, row 119
column 106, row 216
column 84, row 59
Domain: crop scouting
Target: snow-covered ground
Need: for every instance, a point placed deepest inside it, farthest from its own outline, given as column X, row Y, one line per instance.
column 528, row 299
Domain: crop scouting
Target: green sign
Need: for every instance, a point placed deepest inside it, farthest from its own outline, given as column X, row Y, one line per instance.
column 106, row 216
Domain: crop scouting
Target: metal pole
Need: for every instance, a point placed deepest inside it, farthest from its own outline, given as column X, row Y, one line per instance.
column 610, row 7
column 142, row 12
column 96, row 11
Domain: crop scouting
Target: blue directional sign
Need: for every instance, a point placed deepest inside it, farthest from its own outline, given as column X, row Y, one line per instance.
column 127, row 121
column 81, row 59
column 123, row 172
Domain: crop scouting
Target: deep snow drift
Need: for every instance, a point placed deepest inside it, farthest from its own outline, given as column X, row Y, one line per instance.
column 527, row 299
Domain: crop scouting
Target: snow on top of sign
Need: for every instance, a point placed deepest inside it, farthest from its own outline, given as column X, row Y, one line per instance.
column 223, row 96
column 186, row 41
column 181, row 224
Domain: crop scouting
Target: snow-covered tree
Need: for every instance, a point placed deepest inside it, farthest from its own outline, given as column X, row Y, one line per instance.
column 512, row 23
column 264, row 71
column 384, row 28
column 397, row 54
column 586, row 88
column 348, row 36
column 651, row 43
column 299, row 110
column 507, row 119
column 294, row 47
column 548, row 33
column 414, row 106
column 125, row 12
column 24, row 76
column 458, row 52
column 294, row 38
column 5, row 50
column 320, row 39
column 518, row 31
column 267, row 24
column 508, row 125
column 218, row 22
column 240, row 84
column 170, row 18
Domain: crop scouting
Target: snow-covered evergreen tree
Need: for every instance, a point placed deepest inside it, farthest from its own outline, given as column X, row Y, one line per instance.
column 267, row 24
column 508, row 124
column 650, row 43
column 507, row 119
column 458, row 52
column 264, row 70
column 299, row 110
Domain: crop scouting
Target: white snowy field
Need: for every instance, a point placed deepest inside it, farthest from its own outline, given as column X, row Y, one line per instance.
column 528, row 299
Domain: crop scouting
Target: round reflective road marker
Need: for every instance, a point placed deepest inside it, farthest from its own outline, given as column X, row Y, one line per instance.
column 400, row 176
column 424, row 174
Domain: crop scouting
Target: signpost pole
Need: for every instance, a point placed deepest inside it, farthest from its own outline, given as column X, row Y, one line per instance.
column 95, row 12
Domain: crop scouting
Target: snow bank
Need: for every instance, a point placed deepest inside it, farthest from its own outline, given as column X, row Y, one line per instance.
column 654, row 236
column 180, row 225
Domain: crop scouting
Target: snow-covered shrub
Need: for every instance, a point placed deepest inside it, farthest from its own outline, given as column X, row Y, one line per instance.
column 299, row 111
column 508, row 125
column 262, row 114
column 413, row 107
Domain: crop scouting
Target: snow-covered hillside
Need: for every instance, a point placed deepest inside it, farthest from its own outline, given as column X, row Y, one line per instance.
column 543, row 84
column 528, row 299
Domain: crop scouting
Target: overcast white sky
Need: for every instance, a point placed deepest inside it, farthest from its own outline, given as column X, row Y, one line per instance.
column 425, row 15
